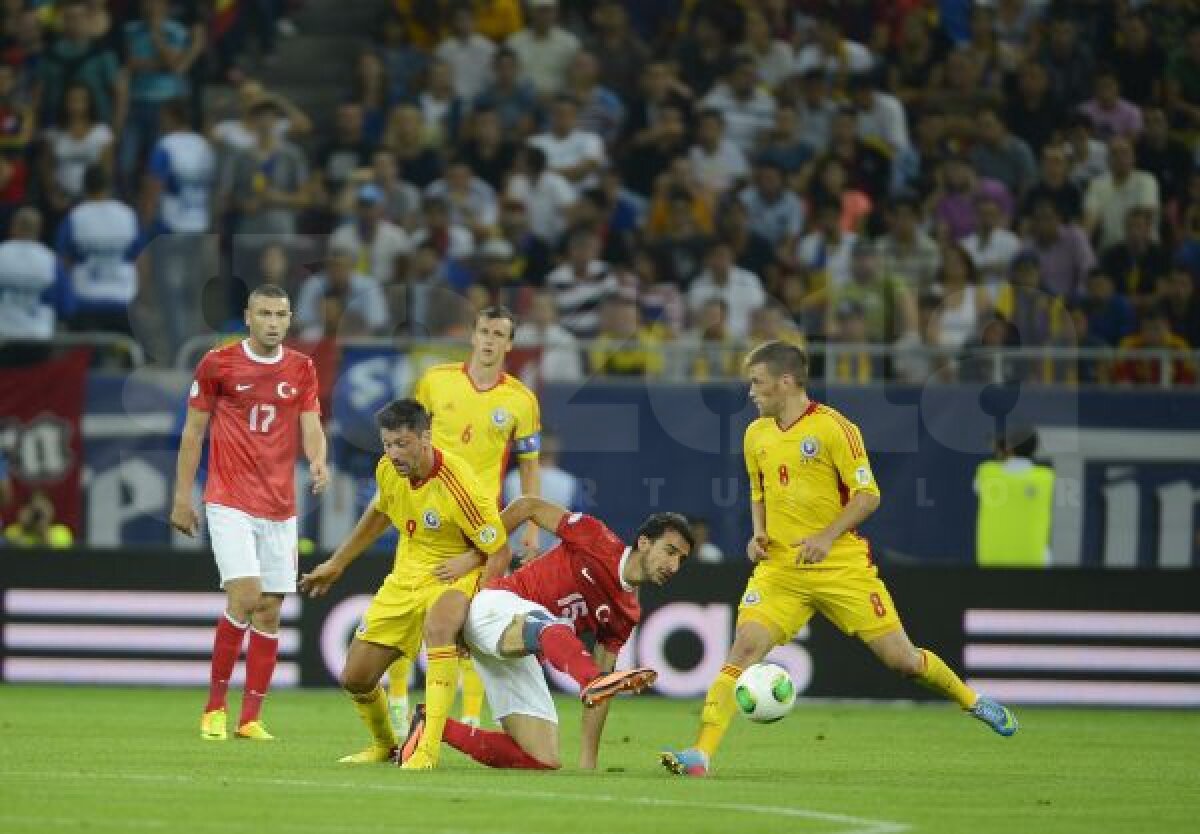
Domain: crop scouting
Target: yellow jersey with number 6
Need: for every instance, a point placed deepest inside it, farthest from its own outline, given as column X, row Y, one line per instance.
column 482, row 426
column 805, row 474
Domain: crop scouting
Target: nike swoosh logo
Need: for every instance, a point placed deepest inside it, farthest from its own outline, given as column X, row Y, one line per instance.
column 243, row 387
column 587, row 575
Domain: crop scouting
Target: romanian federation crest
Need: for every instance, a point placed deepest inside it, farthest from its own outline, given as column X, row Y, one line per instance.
column 431, row 520
column 499, row 418
column 809, row 447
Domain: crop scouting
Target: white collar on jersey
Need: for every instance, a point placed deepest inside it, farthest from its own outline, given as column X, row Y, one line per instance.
column 262, row 360
column 621, row 569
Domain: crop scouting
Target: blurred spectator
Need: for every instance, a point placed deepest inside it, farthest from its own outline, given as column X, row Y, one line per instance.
column 158, row 56
column 1000, row 156
column 237, row 134
column 956, row 197
column 576, row 154
column 782, row 143
column 1139, row 61
column 1110, row 315
column 1088, row 155
column 704, row 551
column 35, row 526
column 34, row 292
column 1032, row 112
column 581, row 284
column 547, row 195
column 770, row 323
column 751, row 250
column 991, row 246
column 17, row 119
column 340, row 301
column 888, row 307
column 881, row 117
column 1063, row 252
column 913, row 58
column 681, row 243
column 661, row 300
column 849, row 361
column 468, row 54
column 69, row 149
column 708, row 347
column 1055, row 185
column 1110, row 114
column 1181, row 303
column 652, row 149
column 748, row 110
column 98, row 243
column 961, row 303
column 815, row 110
column 514, row 99
column 76, row 57
column 703, row 53
column 408, row 138
column 1155, row 334
column 561, row 360
column 471, row 201
column 867, row 167
column 1089, row 369
column 486, row 150
column 907, row 251
column 6, row 484
column 827, row 248
column 1183, row 80
column 1137, row 263
column 839, row 57
column 544, row 48
column 1111, row 195
column 270, row 181
column 601, row 111
column 345, row 152
column 621, row 53
column 1016, row 501
column 776, row 213
column 717, row 162
column 401, row 200
column 623, row 346
column 533, row 255
column 375, row 242
column 442, row 110
column 772, row 57
column 452, row 241
column 555, row 484
column 1069, row 61
column 371, row 95
column 1024, row 303
column 1165, row 157
column 495, row 272
column 741, row 290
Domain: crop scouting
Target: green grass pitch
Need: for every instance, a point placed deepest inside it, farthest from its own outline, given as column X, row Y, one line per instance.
column 130, row 760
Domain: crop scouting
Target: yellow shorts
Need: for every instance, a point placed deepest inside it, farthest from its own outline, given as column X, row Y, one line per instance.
column 784, row 598
column 396, row 616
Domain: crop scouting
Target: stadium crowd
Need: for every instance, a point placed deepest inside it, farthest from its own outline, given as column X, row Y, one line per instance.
column 652, row 186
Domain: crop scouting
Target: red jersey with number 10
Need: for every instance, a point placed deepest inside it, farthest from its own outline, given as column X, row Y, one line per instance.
column 580, row 580
column 254, row 432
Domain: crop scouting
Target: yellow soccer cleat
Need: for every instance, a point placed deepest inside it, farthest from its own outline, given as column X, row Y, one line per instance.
column 254, row 731
column 375, row 754
column 212, row 726
column 419, row 760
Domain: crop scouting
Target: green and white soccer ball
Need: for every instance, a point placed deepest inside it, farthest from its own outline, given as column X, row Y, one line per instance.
column 764, row 692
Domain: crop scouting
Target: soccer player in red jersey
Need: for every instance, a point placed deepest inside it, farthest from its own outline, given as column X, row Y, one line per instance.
column 585, row 584
column 261, row 399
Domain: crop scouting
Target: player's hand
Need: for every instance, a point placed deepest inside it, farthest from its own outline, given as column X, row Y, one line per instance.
column 756, row 548
column 456, row 567
column 184, row 519
column 319, row 472
column 813, row 549
column 529, row 548
column 320, row 579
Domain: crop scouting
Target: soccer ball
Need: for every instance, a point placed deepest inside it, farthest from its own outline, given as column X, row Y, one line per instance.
column 764, row 692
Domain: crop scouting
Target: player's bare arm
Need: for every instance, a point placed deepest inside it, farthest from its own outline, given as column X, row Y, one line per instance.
column 594, row 717
column 530, row 507
column 756, row 548
column 528, row 470
column 312, row 438
column 858, row 509
column 183, row 514
column 496, row 565
column 320, row 579
column 459, row 566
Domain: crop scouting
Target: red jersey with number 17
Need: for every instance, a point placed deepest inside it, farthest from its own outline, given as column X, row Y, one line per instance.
column 580, row 580
column 254, row 431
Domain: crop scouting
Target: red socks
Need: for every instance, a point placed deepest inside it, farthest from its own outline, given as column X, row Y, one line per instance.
column 564, row 651
column 227, row 645
column 488, row 747
column 260, row 665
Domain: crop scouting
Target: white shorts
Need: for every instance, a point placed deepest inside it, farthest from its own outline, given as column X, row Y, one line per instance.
column 514, row 685
column 247, row 546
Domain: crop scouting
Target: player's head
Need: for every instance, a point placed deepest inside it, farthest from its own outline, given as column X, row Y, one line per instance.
column 776, row 370
column 404, row 431
column 662, row 543
column 492, row 338
column 268, row 315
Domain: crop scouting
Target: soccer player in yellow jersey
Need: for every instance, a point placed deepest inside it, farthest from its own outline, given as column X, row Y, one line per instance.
column 481, row 414
column 437, row 504
column 811, row 485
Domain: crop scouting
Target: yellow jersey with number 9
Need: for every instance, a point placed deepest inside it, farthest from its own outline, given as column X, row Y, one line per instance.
column 804, row 475
column 481, row 426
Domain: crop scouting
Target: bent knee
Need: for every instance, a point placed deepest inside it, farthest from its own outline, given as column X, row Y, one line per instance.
column 355, row 683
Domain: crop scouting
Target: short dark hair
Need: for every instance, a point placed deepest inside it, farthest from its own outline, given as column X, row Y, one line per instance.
column 499, row 311
column 781, row 358
column 96, row 179
column 659, row 524
column 267, row 291
column 403, row 414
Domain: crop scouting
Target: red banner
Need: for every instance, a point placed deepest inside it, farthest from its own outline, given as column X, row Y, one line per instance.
column 41, row 407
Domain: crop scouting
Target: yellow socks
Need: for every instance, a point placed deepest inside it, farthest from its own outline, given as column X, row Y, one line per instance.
column 441, row 679
column 472, row 692
column 718, row 710
column 398, row 674
column 372, row 709
column 936, row 675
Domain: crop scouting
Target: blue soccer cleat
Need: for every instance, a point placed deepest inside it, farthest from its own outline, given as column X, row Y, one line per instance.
column 997, row 716
column 689, row 762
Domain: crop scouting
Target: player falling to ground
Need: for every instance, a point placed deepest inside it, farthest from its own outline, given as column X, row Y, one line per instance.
column 811, row 485
column 480, row 414
column 261, row 400
column 585, row 584
column 435, row 501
